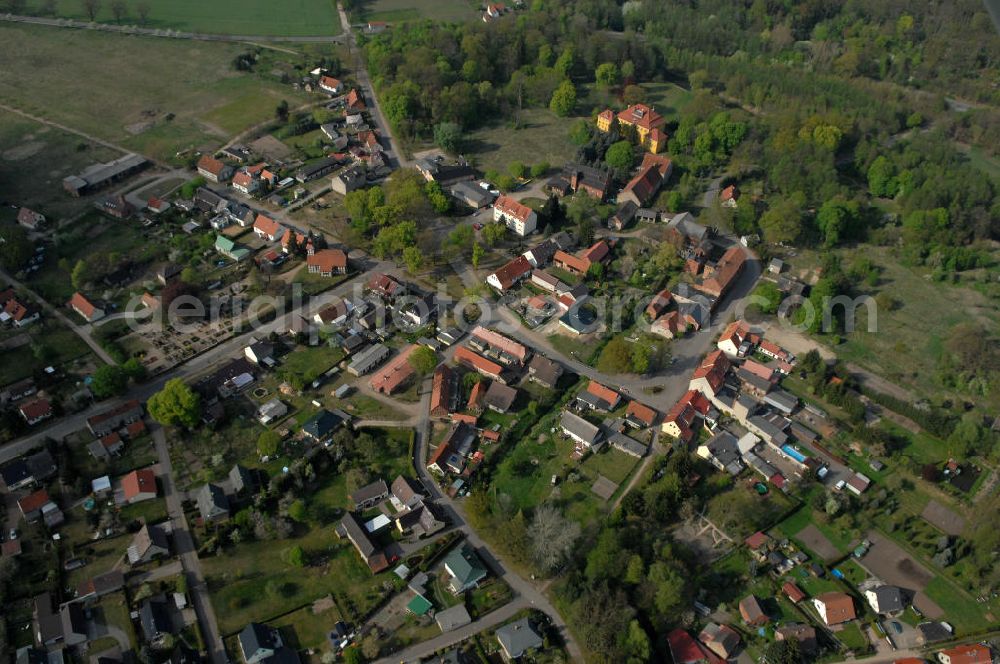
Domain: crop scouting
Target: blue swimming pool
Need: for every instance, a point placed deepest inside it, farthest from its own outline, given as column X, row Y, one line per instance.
column 794, row 453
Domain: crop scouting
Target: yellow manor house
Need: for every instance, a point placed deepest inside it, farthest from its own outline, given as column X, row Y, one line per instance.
column 647, row 122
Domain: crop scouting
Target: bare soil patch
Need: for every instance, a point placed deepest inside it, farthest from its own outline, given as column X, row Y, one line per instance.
column 817, row 542
column 943, row 518
column 888, row 561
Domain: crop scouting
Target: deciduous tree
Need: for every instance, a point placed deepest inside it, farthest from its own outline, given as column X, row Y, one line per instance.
column 176, row 404
column 563, row 99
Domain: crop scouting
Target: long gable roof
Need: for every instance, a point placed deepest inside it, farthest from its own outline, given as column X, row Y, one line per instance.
column 512, row 271
column 499, row 341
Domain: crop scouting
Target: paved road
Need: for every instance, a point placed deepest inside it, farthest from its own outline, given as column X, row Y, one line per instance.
column 672, row 382
column 392, row 153
column 61, row 317
column 423, row 649
column 64, row 426
column 184, row 547
column 172, row 34
column 528, row 595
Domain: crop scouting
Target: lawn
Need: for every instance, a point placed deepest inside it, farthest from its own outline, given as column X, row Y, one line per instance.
column 254, row 580
column 155, row 96
column 37, row 157
column 391, row 11
column 304, row 629
column 314, row 284
column 960, row 610
column 907, row 345
column 58, row 346
column 543, row 136
column 231, row 17
column 853, row 638
column 89, row 236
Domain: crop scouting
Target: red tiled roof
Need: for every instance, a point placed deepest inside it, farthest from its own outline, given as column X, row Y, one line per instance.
column 477, row 395
column 644, row 184
column 35, row 409
column 969, row 654
column 511, row 272
column 713, row 368
column 839, row 607
column 500, row 342
column 725, row 272
column 82, row 304
column 659, row 302
column 266, row 225
column 571, row 261
column 394, row 373
column 757, row 540
column 641, row 412
column 607, row 114
column 211, row 164
column 736, row 332
column 328, row 260
column 136, row 428
column 658, row 135
column 661, row 161
column 329, row 82
column 793, row 592
column 33, row 501
column 15, row 310
column 242, row 179
column 758, row 369
column 354, row 101
column 443, row 450
column 729, row 193
column 139, row 481
column 465, row 417
column 512, row 208
column 150, row 300
column 685, row 650
column 383, row 284
column 476, row 361
column 641, row 115
column 605, row 393
column 441, row 391
column 596, row 252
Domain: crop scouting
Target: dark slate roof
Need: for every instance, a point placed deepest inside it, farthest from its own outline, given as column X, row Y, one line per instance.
column 322, row 424
column 890, row 599
column 518, row 636
column 255, row 637
column 154, row 618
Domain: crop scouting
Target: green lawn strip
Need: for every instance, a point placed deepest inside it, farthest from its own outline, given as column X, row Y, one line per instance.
column 405, row 10
column 116, row 613
column 960, row 609
column 852, row 637
column 542, row 135
column 149, row 511
column 254, row 17
column 489, row 596
column 304, row 629
column 156, row 95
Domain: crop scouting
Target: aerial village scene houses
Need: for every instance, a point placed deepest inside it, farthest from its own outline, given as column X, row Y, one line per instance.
column 488, row 339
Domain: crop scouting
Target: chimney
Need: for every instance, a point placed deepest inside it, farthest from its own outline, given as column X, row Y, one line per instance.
column 574, row 182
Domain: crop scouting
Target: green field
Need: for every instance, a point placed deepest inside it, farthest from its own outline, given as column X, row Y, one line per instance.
column 36, row 158
column 254, row 580
column 391, row 11
column 543, row 136
column 151, row 95
column 228, row 17
column 907, row 344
